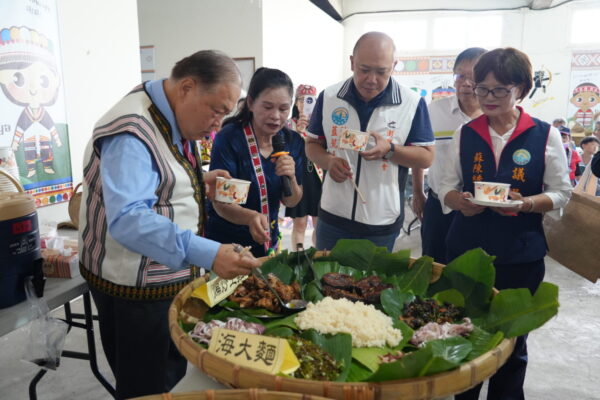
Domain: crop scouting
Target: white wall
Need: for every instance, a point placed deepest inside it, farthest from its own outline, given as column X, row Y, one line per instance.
column 303, row 41
column 546, row 41
column 542, row 35
column 185, row 26
column 101, row 63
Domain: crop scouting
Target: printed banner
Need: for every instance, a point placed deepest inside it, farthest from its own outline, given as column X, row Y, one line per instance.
column 32, row 106
column 429, row 76
column 584, row 95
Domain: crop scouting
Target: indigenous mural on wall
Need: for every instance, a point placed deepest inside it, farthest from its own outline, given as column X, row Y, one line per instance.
column 584, row 94
column 429, row 76
column 32, row 110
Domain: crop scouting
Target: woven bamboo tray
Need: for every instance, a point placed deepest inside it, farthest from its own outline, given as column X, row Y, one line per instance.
column 429, row 387
column 234, row 394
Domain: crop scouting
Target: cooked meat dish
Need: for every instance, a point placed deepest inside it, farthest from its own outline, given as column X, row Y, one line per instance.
column 420, row 311
column 367, row 290
column 339, row 281
column 254, row 293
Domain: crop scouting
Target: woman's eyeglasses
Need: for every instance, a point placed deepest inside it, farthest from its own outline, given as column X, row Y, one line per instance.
column 498, row 92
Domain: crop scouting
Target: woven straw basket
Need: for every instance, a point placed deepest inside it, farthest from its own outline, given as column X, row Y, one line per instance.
column 429, row 387
column 234, row 394
column 74, row 204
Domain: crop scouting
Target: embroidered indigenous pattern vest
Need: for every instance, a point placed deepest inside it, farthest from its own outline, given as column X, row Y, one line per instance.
column 512, row 240
column 106, row 264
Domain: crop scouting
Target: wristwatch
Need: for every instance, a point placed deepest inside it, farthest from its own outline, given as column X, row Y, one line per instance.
column 390, row 153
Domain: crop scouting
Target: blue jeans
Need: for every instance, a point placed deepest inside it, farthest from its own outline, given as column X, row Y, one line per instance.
column 328, row 235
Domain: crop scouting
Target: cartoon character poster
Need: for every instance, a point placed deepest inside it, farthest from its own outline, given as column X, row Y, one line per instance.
column 584, row 95
column 32, row 109
column 429, row 76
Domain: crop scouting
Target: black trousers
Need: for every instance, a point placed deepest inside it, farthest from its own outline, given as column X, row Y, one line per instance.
column 434, row 228
column 507, row 382
column 136, row 341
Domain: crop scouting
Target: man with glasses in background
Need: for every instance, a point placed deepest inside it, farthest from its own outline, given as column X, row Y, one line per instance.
column 446, row 114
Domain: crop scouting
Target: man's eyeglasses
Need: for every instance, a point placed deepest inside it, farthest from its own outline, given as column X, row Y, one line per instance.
column 498, row 92
column 463, row 77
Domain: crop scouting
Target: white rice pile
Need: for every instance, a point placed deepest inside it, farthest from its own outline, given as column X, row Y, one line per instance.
column 368, row 326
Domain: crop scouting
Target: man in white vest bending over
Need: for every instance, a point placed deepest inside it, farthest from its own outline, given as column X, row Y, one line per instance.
column 363, row 192
column 142, row 215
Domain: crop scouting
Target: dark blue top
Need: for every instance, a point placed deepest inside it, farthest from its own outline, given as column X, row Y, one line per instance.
column 513, row 240
column 230, row 152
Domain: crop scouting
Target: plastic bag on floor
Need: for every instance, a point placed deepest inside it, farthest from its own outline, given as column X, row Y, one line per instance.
column 46, row 335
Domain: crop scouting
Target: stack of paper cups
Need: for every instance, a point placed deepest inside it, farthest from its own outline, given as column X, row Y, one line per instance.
column 9, row 164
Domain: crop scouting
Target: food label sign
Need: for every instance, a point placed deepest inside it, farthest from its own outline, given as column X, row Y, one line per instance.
column 218, row 289
column 267, row 354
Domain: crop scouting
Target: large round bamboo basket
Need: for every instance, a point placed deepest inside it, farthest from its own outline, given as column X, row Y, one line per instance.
column 429, row 387
column 234, row 394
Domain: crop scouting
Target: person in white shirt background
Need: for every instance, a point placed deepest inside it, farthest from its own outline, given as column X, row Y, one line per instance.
column 446, row 115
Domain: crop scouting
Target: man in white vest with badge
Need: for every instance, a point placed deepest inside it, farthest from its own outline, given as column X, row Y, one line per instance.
column 142, row 215
column 363, row 192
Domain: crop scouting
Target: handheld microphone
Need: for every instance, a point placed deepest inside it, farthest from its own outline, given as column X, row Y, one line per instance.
column 278, row 143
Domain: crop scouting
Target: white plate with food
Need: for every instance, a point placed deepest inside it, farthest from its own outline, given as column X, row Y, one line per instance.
column 503, row 204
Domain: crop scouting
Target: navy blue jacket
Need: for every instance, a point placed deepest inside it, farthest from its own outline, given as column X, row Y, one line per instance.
column 512, row 240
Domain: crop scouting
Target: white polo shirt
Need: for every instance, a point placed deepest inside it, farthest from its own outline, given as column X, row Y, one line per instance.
column 446, row 116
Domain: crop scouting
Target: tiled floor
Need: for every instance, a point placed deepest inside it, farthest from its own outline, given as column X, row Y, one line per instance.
column 564, row 354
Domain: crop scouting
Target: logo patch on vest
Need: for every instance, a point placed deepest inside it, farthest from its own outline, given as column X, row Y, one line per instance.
column 521, row 157
column 340, row 116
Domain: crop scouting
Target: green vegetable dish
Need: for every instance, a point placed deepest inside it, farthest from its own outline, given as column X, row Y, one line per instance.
column 374, row 316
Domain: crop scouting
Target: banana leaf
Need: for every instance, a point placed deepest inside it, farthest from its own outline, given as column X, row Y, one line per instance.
column 516, row 312
column 287, row 321
column 281, row 331
column 473, row 275
column 451, row 296
column 357, row 253
column 483, row 342
column 369, row 356
column 338, row 345
column 312, row 292
column 358, row 372
column 407, row 333
column 321, row 268
column 278, row 267
column 222, row 314
column 389, row 264
column 393, row 301
column 435, row 357
column 416, row 280
column 252, row 312
column 301, row 262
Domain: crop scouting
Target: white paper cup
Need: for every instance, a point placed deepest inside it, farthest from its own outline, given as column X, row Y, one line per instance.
column 492, row 191
column 351, row 139
column 232, row 190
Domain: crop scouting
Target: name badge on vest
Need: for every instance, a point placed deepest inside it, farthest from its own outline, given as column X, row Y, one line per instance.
column 340, row 116
column 521, row 157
